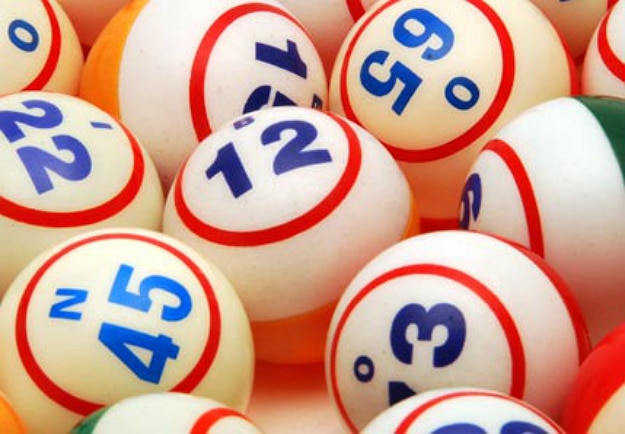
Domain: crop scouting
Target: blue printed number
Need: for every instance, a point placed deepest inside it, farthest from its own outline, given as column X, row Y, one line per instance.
column 436, row 39
column 121, row 295
column 288, row 60
column 514, row 427
column 120, row 341
column 444, row 315
column 293, row 155
column 23, row 35
column 471, row 200
column 39, row 163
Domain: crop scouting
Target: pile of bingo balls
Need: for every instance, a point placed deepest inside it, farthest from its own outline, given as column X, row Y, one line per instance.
column 425, row 197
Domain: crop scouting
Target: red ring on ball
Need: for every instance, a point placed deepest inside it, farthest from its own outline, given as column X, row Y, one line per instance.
column 55, row 51
column 82, row 406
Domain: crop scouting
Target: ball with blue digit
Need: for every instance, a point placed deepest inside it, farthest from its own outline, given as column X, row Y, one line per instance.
column 453, row 309
column 66, row 167
column 290, row 202
column 176, row 71
column 433, row 80
column 462, row 410
column 40, row 49
column 553, row 180
column 114, row 313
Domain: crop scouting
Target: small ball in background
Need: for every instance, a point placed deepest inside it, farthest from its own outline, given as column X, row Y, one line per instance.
column 434, row 80
column 166, row 413
column 603, row 69
column 115, row 313
column 67, row 167
column 553, row 180
column 462, row 410
column 90, row 16
column 453, row 309
column 40, row 49
column 175, row 71
column 575, row 20
column 596, row 401
column 290, row 202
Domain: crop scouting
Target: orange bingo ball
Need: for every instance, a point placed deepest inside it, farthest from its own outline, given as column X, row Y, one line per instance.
column 10, row 421
column 39, row 48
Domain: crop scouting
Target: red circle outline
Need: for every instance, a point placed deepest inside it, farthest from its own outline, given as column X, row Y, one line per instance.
column 406, row 423
column 615, row 65
column 197, row 98
column 290, row 228
column 515, row 344
column 356, row 9
column 209, row 419
column 87, row 216
column 480, row 127
column 52, row 61
column 77, row 404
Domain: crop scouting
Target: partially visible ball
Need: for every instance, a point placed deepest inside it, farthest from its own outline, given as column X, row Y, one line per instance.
column 39, row 48
column 115, row 313
column 166, row 413
column 462, row 411
column 67, row 167
column 553, row 179
column 596, row 401
column 10, row 421
column 89, row 17
column 603, row 70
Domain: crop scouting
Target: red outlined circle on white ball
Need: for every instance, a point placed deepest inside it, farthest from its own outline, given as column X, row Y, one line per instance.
column 280, row 230
column 36, row 369
column 485, row 120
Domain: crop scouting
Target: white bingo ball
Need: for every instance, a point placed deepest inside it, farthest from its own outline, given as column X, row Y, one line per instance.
column 553, row 179
column 452, row 309
column 166, row 413
column 603, row 70
column 115, row 313
column 39, row 48
column 175, row 71
column 67, row 167
column 434, row 79
column 328, row 22
column 462, row 411
column 290, row 202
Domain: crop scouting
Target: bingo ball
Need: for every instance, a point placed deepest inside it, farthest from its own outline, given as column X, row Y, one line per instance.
column 462, row 411
column 67, row 167
column 175, row 71
column 10, row 421
column 289, row 202
column 434, row 79
column 596, row 401
column 603, row 70
column 40, row 49
column 452, row 309
column 575, row 20
column 166, row 413
column 553, row 179
column 115, row 313
column 90, row 16
column 328, row 22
